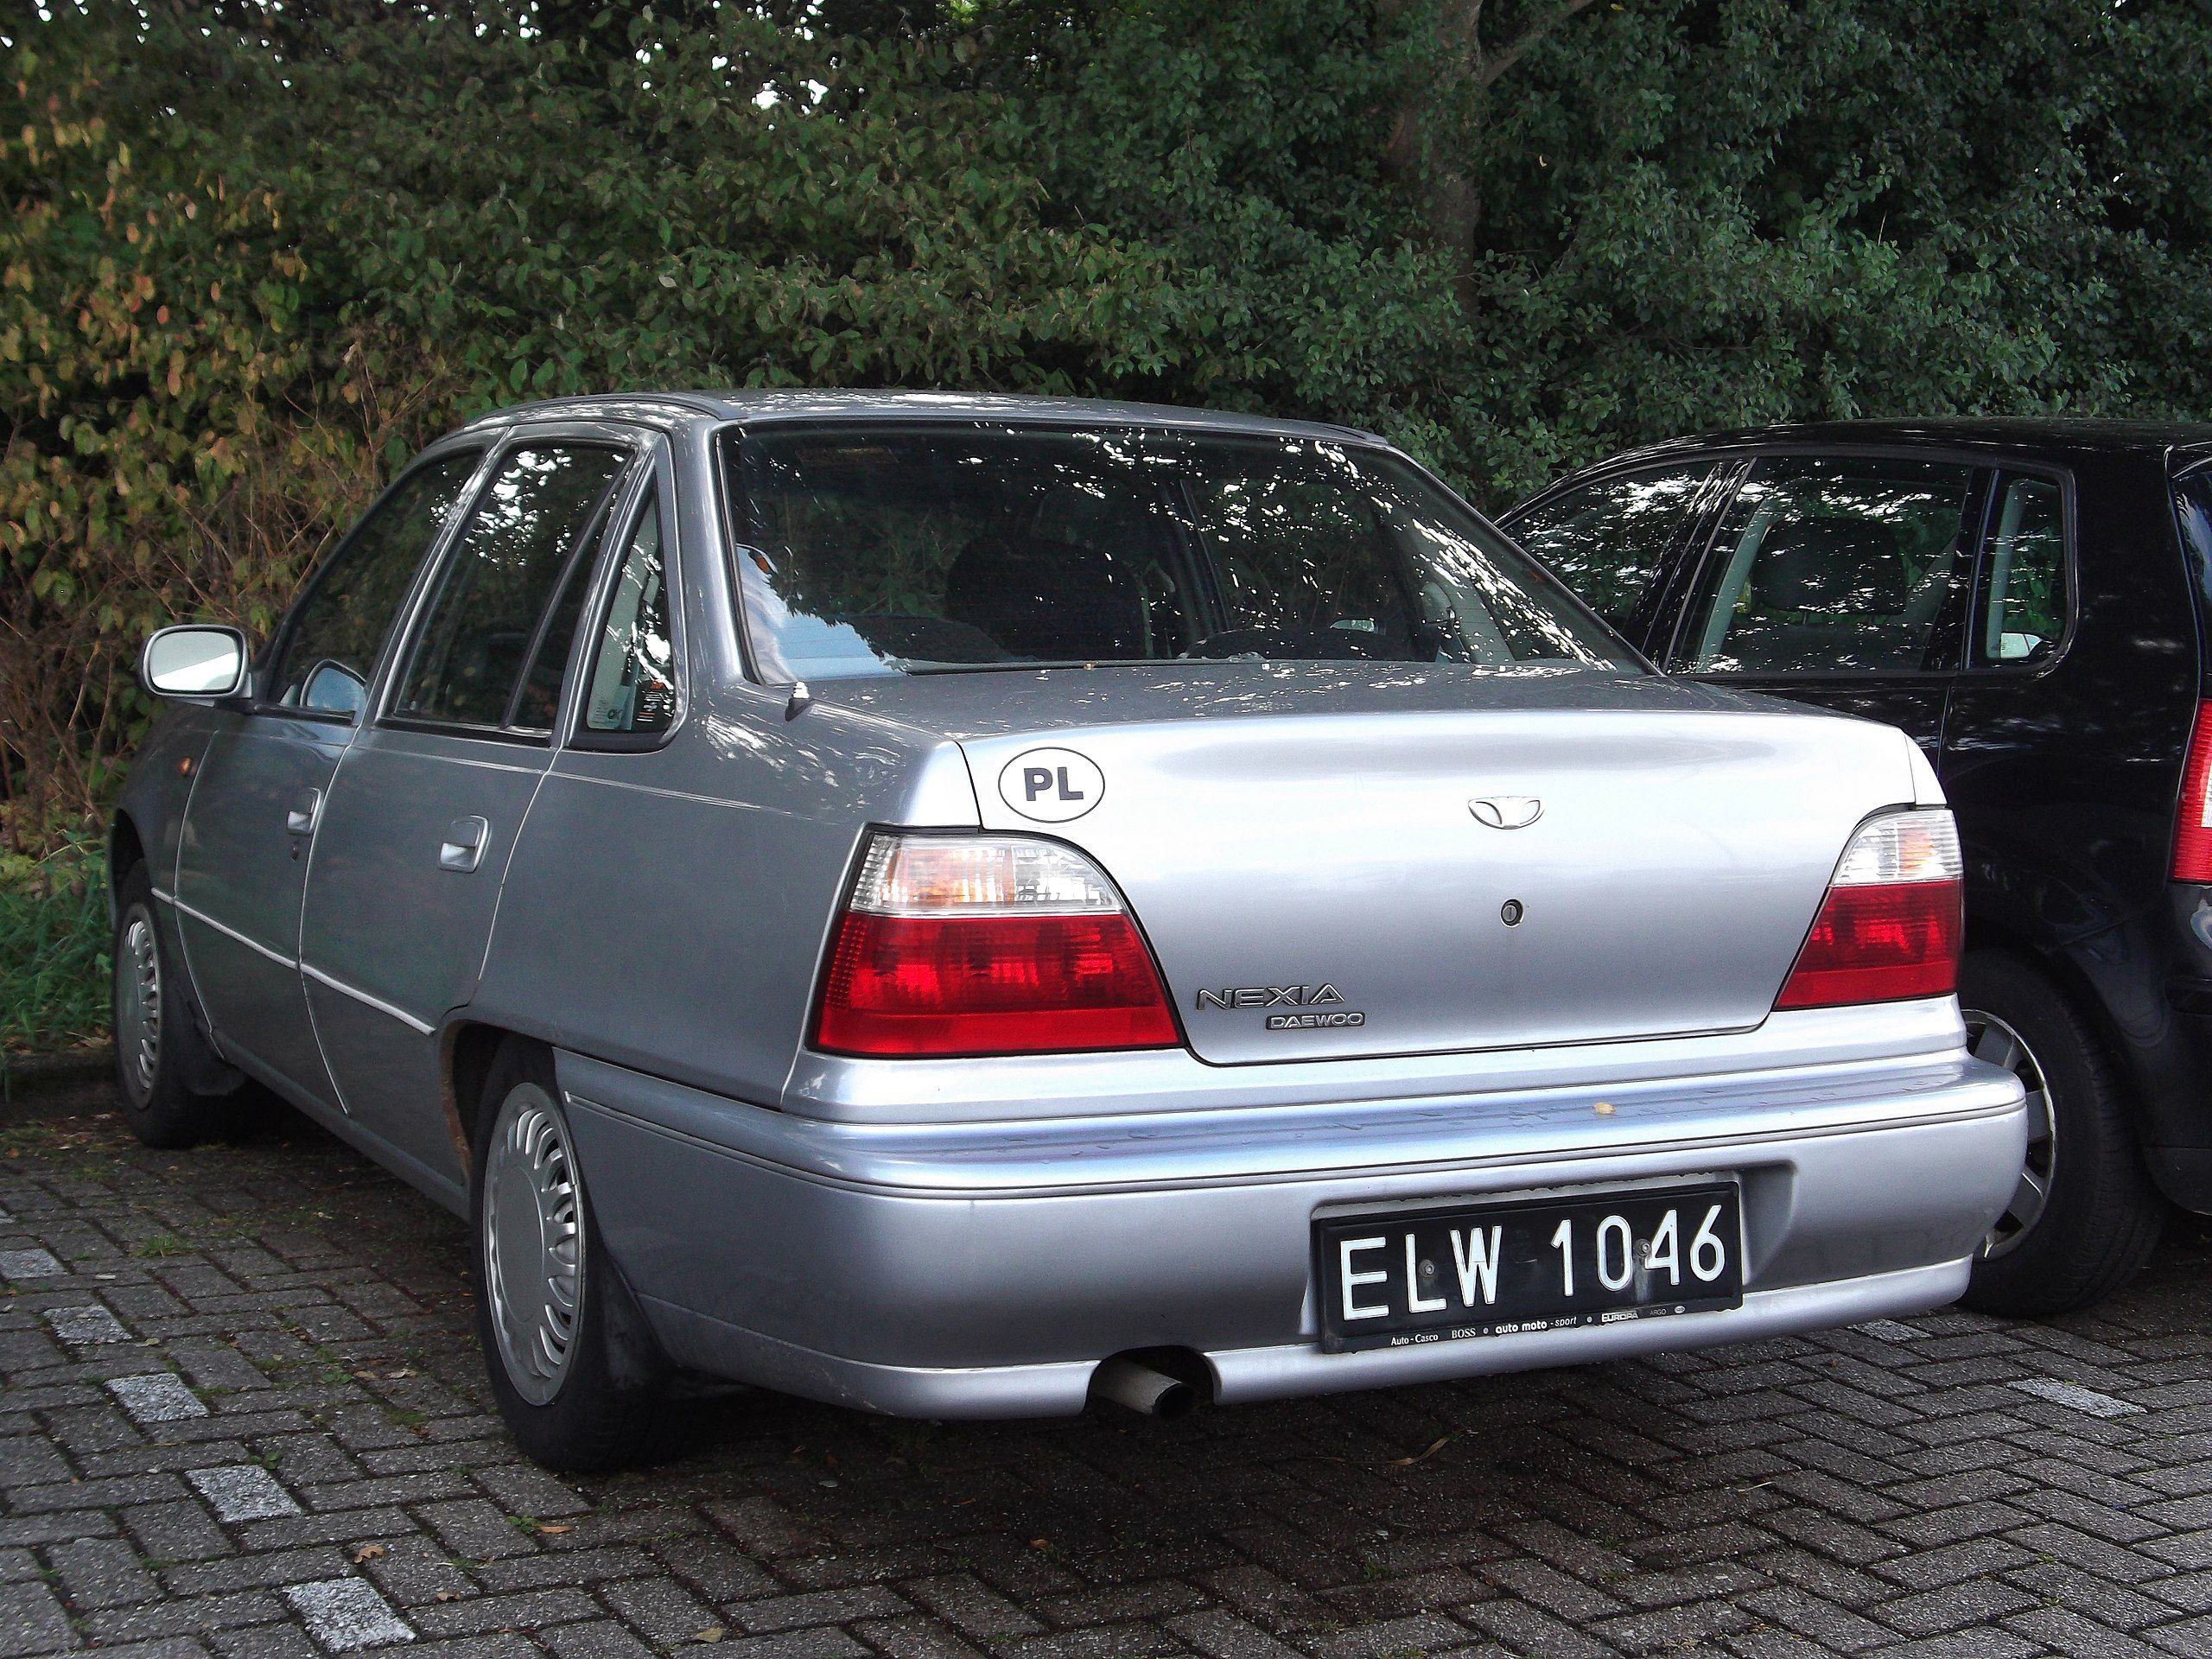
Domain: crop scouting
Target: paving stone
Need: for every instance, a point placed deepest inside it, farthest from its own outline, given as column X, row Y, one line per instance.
column 344, row 1614
column 244, row 1492
column 28, row 1264
column 90, row 1324
column 2076, row 1398
column 157, row 1397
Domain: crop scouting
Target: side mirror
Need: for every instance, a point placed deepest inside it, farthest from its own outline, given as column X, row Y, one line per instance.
column 195, row 660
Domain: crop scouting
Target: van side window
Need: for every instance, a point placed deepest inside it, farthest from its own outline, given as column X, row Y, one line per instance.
column 1608, row 540
column 2023, row 609
column 1834, row 567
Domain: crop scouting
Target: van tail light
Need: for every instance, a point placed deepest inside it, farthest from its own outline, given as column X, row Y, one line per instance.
column 1892, row 921
column 2193, row 815
column 987, row 945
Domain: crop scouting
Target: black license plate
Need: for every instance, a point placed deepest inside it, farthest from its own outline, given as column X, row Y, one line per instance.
column 1403, row 1277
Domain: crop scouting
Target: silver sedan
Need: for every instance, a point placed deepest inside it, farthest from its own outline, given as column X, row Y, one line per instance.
column 969, row 906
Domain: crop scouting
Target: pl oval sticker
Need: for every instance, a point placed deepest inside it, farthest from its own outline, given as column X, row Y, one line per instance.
column 1051, row 786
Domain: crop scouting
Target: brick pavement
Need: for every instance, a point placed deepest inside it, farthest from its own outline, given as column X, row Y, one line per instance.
column 243, row 1416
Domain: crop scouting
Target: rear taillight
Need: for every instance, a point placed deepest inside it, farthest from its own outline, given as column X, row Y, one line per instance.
column 987, row 945
column 1892, row 921
column 2193, row 815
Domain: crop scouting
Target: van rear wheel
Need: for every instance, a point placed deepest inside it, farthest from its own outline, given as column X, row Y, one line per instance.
column 2084, row 1215
column 571, row 1365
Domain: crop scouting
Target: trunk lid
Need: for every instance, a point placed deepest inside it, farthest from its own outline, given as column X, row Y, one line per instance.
column 1666, row 846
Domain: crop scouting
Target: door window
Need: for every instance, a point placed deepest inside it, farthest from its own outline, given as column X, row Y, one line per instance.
column 2023, row 605
column 632, row 684
column 1834, row 567
column 330, row 645
column 1608, row 540
column 492, row 608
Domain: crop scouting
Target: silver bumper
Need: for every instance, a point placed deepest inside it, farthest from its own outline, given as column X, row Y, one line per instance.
column 983, row 1269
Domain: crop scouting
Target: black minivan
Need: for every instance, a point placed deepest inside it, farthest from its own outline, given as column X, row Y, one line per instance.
column 2032, row 601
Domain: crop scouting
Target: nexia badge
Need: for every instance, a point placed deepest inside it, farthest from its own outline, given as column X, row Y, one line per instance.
column 1311, row 1001
column 1051, row 786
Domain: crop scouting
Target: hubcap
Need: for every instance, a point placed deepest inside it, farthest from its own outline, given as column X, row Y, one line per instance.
column 1990, row 1039
column 138, row 1004
column 533, row 1242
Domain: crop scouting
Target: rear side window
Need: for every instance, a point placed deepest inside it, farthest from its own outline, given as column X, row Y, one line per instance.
column 1609, row 540
column 2022, row 611
column 631, row 689
column 330, row 646
column 1834, row 566
column 492, row 611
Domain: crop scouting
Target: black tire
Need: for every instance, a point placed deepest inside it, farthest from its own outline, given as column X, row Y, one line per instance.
column 593, row 1406
column 2100, row 1216
column 161, row 1054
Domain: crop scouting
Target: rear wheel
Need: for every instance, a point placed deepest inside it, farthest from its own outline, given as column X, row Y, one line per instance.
column 159, row 1049
column 2084, row 1214
column 570, row 1363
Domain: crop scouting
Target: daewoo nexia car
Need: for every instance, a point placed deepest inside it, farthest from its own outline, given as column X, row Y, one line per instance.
column 960, row 906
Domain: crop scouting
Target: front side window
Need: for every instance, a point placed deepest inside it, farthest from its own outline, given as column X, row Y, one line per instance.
column 884, row 549
column 2022, row 612
column 330, row 646
column 1609, row 540
column 492, row 609
column 632, row 689
column 1832, row 567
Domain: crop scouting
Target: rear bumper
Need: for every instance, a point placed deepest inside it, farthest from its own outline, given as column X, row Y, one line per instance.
column 983, row 1269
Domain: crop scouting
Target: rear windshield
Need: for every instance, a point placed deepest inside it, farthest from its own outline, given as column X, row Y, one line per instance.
column 883, row 549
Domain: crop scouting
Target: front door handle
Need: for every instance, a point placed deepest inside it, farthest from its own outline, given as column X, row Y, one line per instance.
column 306, row 807
column 463, row 848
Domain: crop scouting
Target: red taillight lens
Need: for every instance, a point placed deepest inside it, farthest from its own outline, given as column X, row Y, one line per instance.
column 977, row 945
column 1893, row 920
column 2193, row 814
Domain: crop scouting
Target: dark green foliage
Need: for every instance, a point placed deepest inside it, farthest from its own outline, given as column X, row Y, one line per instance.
column 53, row 949
column 253, row 255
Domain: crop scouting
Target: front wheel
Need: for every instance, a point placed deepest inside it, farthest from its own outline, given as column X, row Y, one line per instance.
column 570, row 1363
column 2084, row 1215
column 159, row 1051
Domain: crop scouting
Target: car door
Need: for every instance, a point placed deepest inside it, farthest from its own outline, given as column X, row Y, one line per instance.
column 1615, row 539
column 428, row 801
column 258, row 792
column 1840, row 581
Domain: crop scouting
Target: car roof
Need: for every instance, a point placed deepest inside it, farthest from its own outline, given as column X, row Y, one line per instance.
column 760, row 408
column 2030, row 437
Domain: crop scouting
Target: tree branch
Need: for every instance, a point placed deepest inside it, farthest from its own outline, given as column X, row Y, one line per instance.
column 1489, row 65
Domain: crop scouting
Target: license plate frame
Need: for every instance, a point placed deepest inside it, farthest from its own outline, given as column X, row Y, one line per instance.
column 1522, row 1252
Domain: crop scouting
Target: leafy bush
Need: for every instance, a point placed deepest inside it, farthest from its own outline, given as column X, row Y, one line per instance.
column 53, row 949
column 253, row 255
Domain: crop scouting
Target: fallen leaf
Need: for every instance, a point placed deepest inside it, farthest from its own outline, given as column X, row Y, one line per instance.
column 554, row 1528
column 370, row 1552
column 1432, row 1448
column 447, row 1595
column 1040, row 1543
column 712, row 1633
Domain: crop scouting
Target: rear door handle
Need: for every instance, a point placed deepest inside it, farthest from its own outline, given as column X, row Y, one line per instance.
column 463, row 848
column 306, row 807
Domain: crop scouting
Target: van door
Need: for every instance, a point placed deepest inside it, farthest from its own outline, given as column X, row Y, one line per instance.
column 1839, row 581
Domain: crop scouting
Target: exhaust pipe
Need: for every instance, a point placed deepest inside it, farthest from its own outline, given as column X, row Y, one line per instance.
column 1136, row 1386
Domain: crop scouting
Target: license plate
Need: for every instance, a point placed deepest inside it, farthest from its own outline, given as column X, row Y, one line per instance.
column 1398, row 1278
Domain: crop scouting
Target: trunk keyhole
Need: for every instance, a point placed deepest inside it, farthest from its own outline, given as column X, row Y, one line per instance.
column 1511, row 913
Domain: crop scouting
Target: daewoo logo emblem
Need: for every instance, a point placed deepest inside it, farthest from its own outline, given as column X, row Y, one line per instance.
column 1506, row 811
